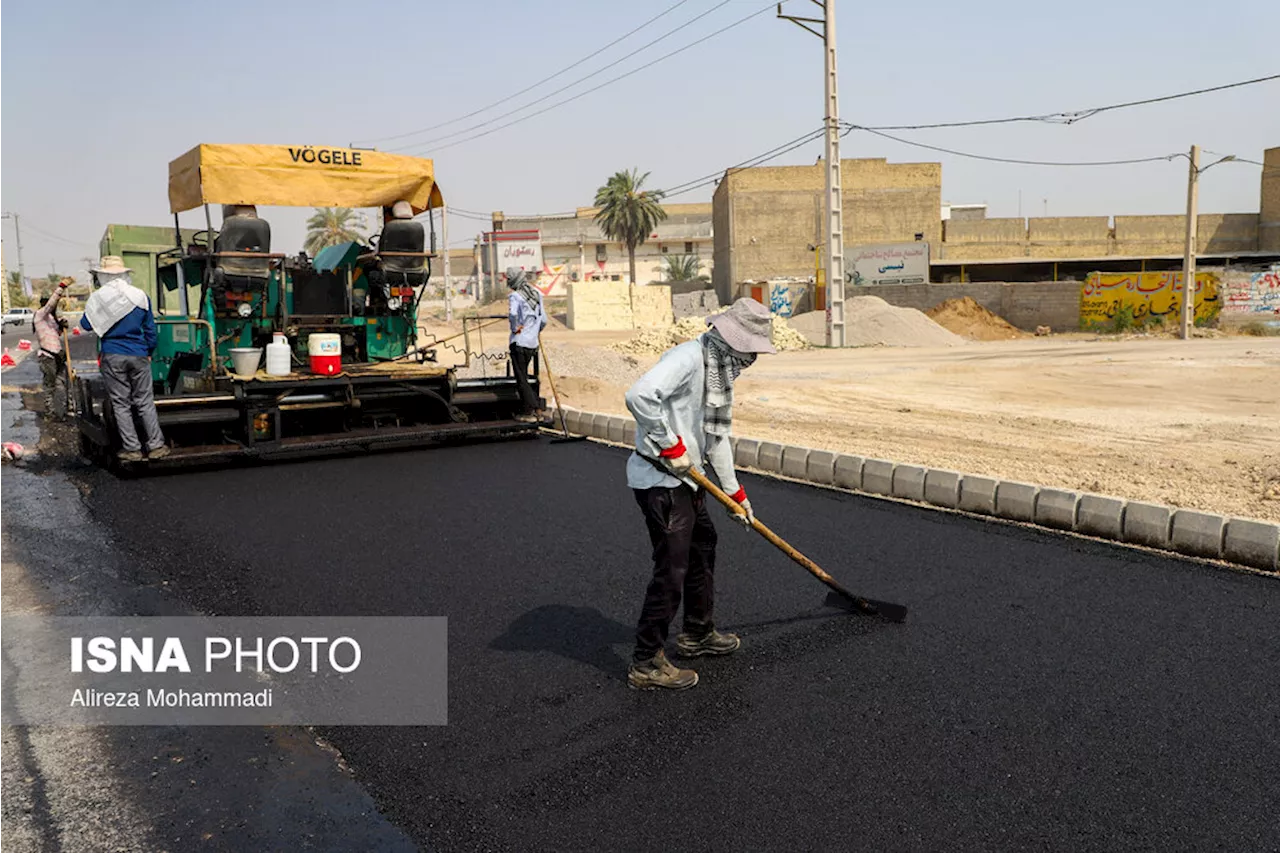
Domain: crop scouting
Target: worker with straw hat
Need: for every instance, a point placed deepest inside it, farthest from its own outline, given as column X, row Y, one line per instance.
column 121, row 316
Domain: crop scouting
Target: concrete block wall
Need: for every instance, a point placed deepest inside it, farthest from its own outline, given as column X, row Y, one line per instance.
column 599, row 305
column 1247, row 542
column 1269, row 212
column 1024, row 304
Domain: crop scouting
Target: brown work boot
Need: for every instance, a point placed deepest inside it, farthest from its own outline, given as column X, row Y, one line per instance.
column 711, row 643
column 159, row 453
column 658, row 672
column 129, row 455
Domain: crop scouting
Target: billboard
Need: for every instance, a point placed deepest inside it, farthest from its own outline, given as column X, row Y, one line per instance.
column 1144, row 295
column 522, row 249
column 894, row 263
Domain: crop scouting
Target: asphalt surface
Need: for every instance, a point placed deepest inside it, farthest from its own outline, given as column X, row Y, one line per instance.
column 1045, row 693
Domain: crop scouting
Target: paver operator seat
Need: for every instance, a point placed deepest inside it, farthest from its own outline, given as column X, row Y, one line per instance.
column 401, row 233
column 243, row 231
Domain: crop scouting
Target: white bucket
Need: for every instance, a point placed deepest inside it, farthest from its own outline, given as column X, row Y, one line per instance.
column 245, row 360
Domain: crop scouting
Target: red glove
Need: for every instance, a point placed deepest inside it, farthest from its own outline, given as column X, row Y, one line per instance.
column 746, row 516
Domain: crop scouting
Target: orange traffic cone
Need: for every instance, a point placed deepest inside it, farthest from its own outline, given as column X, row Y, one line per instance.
column 75, row 330
column 24, row 345
column 7, row 360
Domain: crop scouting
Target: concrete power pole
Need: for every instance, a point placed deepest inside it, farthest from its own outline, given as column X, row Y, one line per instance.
column 1189, row 258
column 22, row 270
column 444, row 238
column 834, row 207
column 4, row 284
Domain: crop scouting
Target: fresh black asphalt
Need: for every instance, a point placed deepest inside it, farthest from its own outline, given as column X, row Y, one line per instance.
column 1045, row 693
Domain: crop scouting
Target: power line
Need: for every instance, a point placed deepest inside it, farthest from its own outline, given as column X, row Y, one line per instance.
column 608, row 82
column 989, row 158
column 1073, row 116
column 771, row 154
column 568, row 86
column 50, row 236
column 533, row 86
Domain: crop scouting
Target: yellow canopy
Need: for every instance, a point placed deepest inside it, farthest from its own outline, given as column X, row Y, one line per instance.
column 300, row 176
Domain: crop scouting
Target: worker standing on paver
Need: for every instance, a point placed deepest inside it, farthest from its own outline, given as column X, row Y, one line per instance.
column 53, row 361
column 684, row 412
column 528, row 318
column 121, row 316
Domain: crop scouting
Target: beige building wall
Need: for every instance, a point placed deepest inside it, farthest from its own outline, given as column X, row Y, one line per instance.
column 1269, row 218
column 766, row 219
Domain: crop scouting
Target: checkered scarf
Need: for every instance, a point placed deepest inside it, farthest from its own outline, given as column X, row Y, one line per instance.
column 722, row 366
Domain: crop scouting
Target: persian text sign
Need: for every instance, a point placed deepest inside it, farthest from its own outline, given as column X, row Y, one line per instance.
column 1149, row 294
column 898, row 263
column 1254, row 293
column 195, row 670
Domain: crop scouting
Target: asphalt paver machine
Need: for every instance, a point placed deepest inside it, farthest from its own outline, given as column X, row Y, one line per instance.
column 225, row 293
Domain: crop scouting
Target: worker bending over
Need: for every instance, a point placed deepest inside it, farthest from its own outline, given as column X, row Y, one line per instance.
column 121, row 316
column 528, row 318
column 53, row 361
column 684, row 410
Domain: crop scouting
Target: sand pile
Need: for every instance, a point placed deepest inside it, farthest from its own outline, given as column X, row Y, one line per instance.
column 870, row 321
column 966, row 317
column 655, row 341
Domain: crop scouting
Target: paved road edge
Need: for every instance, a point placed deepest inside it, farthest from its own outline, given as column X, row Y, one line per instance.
column 1243, row 541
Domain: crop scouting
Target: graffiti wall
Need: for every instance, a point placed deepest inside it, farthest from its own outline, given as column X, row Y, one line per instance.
column 1249, row 293
column 1146, row 295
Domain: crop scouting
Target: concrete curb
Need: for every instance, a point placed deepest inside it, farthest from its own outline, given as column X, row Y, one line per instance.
column 1243, row 541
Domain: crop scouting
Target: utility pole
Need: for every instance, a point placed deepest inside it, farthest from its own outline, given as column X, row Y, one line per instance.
column 444, row 237
column 1189, row 256
column 22, row 270
column 834, row 208
column 4, row 284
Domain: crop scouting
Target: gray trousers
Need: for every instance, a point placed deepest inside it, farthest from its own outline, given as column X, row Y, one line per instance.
column 128, row 381
column 54, row 372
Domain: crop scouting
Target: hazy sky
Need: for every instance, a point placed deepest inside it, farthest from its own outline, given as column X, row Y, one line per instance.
column 98, row 97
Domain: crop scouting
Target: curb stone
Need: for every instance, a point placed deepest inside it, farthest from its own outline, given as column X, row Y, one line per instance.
column 877, row 477
column 1243, row 541
column 908, row 482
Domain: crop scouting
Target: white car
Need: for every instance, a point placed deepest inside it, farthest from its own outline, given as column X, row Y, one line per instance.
column 18, row 316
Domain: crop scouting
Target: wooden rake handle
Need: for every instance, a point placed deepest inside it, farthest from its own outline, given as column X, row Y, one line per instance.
column 781, row 544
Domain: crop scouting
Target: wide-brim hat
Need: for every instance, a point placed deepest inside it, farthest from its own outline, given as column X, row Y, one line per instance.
column 745, row 326
column 111, row 264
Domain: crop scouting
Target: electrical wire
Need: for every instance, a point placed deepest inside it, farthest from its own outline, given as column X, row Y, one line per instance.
column 1073, row 116
column 1015, row 161
column 771, row 154
column 568, row 86
column 49, row 236
column 608, row 82
column 532, row 86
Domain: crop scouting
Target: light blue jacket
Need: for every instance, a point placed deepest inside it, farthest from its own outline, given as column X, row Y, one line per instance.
column 528, row 319
column 667, row 402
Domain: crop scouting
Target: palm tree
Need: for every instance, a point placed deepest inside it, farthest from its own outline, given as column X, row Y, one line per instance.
column 329, row 226
column 684, row 268
column 628, row 214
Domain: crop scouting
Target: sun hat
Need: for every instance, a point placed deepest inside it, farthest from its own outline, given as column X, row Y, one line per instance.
column 111, row 264
column 745, row 326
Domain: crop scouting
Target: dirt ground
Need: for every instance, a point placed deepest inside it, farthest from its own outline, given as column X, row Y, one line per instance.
column 1192, row 424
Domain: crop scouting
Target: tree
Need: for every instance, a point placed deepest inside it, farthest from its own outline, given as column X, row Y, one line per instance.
column 684, row 268
column 329, row 226
column 628, row 214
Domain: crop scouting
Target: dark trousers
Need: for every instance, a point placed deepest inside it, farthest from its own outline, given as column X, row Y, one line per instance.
column 54, row 372
column 684, row 561
column 520, row 358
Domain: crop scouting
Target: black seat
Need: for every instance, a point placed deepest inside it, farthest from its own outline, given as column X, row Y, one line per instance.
column 403, row 235
column 244, row 234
